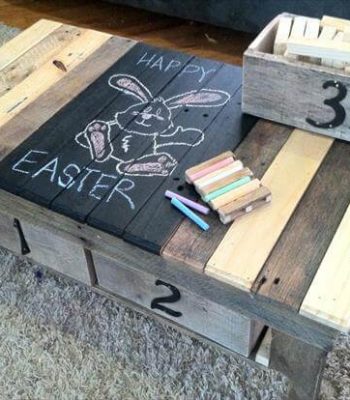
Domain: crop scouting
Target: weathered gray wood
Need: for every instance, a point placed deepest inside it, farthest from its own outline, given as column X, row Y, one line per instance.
column 60, row 254
column 301, row 363
column 252, row 306
column 194, row 312
column 292, row 92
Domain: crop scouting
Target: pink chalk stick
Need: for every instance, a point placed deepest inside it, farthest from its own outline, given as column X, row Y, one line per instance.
column 212, row 168
column 188, row 202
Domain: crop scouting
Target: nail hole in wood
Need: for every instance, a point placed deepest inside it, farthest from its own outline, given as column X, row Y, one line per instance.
column 176, row 179
column 205, row 115
column 276, row 281
column 180, row 188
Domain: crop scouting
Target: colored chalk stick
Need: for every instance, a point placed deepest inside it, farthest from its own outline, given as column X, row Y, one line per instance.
column 205, row 190
column 244, row 204
column 219, row 174
column 227, row 188
column 190, row 214
column 234, row 194
column 192, row 204
column 208, row 166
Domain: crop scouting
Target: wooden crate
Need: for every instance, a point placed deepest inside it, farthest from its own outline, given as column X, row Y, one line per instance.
column 293, row 92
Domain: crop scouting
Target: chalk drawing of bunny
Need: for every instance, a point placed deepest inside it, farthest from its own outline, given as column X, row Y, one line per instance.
column 148, row 119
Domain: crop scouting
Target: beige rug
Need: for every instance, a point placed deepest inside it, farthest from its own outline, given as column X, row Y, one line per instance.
column 61, row 341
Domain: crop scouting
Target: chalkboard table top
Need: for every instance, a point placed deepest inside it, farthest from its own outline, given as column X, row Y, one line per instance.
column 95, row 128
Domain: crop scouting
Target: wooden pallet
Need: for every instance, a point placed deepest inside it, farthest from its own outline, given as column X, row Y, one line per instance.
column 283, row 266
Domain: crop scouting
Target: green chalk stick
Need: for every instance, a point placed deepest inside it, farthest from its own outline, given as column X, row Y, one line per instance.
column 227, row 188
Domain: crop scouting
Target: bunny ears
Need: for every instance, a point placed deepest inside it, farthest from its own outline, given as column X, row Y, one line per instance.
column 195, row 98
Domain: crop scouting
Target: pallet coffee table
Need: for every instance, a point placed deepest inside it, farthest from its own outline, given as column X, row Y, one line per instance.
column 94, row 128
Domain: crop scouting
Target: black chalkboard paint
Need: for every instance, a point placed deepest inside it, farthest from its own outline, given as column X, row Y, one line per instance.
column 152, row 230
column 42, row 189
column 59, row 131
column 108, row 156
column 128, row 146
column 187, row 117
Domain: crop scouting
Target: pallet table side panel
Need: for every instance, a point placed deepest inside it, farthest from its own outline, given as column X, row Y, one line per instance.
column 179, row 274
column 221, row 325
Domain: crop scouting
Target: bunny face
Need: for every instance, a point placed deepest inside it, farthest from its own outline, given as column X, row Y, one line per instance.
column 148, row 119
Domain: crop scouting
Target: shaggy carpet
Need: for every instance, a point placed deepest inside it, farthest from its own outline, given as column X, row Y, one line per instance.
column 61, row 341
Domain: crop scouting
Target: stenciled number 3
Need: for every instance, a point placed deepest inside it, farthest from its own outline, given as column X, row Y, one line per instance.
column 334, row 102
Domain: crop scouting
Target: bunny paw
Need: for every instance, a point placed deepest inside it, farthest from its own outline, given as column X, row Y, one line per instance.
column 149, row 165
column 97, row 134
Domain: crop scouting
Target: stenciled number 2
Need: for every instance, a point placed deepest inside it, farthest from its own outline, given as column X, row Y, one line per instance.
column 173, row 298
column 334, row 102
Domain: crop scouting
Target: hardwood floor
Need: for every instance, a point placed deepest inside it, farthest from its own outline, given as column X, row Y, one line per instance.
column 159, row 30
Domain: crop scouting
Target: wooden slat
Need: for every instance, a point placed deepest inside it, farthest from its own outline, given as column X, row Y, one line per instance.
column 328, row 298
column 249, row 241
column 39, row 81
column 19, row 69
column 257, row 151
column 18, row 129
column 295, row 259
column 24, row 41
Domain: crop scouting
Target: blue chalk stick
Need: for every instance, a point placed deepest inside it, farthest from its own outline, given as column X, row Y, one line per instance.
column 190, row 214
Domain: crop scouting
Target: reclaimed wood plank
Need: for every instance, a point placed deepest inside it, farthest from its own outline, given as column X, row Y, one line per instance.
column 257, row 151
column 14, row 101
column 179, row 274
column 123, row 142
column 25, row 40
column 19, row 69
column 294, row 261
column 242, row 253
column 230, row 329
column 18, row 129
column 327, row 299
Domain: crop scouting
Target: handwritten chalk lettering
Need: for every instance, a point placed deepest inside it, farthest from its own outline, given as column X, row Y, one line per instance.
column 124, row 185
column 173, row 298
column 334, row 103
column 50, row 167
column 73, row 177
column 70, row 182
column 100, row 185
column 164, row 65
column 29, row 158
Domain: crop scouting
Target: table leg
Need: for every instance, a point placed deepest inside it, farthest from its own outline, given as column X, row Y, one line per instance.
column 301, row 363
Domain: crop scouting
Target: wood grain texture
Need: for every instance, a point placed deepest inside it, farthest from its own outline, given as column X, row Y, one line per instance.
column 294, row 261
column 26, row 40
column 301, row 363
column 327, row 299
column 13, row 102
column 19, row 69
column 247, row 244
column 37, row 112
column 257, row 151
column 196, row 313
column 55, row 252
column 179, row 274
column 268, row 96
